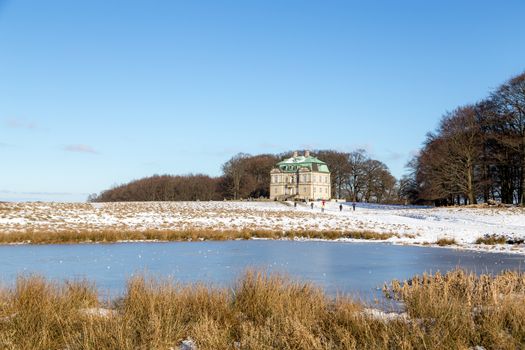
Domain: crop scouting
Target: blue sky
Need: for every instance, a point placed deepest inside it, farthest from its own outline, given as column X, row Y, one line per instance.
column 100, row 92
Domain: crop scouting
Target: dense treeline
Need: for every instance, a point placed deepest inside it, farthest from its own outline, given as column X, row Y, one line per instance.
column 355, row 176
column 163, row 188
column 246, row 176
column 476, row 154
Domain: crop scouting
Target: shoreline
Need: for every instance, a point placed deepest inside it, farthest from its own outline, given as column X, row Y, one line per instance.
column 482, row 248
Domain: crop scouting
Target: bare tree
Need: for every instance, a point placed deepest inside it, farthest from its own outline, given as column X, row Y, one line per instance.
column 462, row 137
column 510, row 101
column 340, row 170
column 235, row 170
column 356, row 180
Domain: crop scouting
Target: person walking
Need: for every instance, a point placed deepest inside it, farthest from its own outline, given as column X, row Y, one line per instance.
column 340, row 207
column 353, row 206
column 322, row 208
column 311, row 205
column 295, row 204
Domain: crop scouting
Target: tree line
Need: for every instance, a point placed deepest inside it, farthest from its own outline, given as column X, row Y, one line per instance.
column 477, row 153
column 162, row 188
column 354, row 175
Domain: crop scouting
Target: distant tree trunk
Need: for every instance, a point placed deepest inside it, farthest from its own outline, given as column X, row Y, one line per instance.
column 522, row 173
column 470, row 183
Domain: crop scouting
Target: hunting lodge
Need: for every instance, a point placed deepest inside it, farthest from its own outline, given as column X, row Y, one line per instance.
column 300, row 177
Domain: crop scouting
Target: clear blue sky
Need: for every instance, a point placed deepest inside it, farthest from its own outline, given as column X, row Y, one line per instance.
column 100, row 92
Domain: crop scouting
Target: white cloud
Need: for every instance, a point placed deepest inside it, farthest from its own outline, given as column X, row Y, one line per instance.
column 16, row 123
column 80, row 148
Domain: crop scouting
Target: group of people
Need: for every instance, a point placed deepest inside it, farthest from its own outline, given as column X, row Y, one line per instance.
column 341, row 207
column 323, row 202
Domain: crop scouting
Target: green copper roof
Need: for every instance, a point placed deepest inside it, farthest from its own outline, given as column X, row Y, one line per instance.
column 293, row 164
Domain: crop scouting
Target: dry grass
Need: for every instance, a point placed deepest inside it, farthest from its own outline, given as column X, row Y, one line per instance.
column 453, row 311
column 459, row 310
column 491, row 240
column 111, row 236
column 445, row 241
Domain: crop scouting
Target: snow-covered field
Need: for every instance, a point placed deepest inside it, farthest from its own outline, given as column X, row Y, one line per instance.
column 410, row 225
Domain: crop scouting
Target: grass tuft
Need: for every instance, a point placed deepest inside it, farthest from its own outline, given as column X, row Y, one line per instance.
column 445, row 241
column 491, row 240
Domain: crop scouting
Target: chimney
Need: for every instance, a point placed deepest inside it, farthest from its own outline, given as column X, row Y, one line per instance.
column 307, row 154
column 295, row 154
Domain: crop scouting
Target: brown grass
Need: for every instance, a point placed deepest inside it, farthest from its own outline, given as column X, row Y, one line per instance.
column 112, row 236
column 445, row 241
column 457, row 310
column 491, row 240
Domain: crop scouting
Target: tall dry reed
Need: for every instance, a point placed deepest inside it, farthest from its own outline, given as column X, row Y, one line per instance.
column 114, row 235
column 457, row 310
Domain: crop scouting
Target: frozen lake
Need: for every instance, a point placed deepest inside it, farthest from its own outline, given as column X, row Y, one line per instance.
column 357, row 268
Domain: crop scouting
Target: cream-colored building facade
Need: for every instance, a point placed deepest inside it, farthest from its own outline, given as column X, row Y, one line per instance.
column 300, row 177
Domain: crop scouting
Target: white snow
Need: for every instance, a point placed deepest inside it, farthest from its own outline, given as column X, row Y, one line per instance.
column 385, row 316
column 188, row 344
column 410, row 225
column 97, row 312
